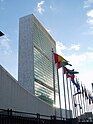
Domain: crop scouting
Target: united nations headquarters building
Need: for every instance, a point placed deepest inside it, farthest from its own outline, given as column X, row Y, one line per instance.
column 33, row 92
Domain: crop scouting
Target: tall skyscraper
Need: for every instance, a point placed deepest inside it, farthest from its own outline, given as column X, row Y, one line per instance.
column 35, row 71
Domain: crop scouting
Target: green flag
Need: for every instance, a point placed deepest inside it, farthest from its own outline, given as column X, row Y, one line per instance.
column 64, row 63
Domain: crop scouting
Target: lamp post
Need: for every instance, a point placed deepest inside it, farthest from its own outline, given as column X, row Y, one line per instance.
column 1, row 33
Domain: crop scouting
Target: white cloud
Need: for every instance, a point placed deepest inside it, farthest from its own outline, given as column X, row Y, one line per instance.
column 60, row 47
column 4, row 45
column 76, row 60
column 87, row 78
column 90, row 13
column 89, row 55
column 90, row 21
column 39, row 7
column 87, row 3
column 90, row 17
column 75, row 47
column 89, row 31
column 80, row 62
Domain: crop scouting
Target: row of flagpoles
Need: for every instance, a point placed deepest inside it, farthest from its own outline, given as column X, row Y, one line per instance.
column 76, row 96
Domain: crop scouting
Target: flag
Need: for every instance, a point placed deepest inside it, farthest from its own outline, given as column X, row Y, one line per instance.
column 58, row 58
column 1, row 33
column 65, row 70
column 70, row 76
column 92, row 87
column 61, row 61
column 89, row 101
column 90, row 98
column 59, row 64
column 72, row 71
column 73, row 81
column 75, row 104
column 86, row 94
column 77, row 93
column 80, row 106
column 92, row 101
column 78, row 87
column 64, row 63
column 82, row 88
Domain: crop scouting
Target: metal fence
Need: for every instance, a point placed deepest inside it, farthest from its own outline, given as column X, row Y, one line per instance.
column 15, row 117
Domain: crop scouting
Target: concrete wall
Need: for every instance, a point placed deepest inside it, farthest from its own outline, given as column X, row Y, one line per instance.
column 13, row 96
column 69, row 113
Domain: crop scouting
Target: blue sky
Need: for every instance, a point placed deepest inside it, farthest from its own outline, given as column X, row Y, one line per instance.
column 70, row 23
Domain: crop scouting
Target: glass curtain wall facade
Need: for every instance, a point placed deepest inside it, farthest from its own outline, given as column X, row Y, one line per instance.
column 43, row 70
column 35, row 71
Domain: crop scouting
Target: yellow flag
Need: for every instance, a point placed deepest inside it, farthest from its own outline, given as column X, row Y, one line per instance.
column 60, row 58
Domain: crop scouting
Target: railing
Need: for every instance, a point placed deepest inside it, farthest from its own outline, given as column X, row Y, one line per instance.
column 15, row 117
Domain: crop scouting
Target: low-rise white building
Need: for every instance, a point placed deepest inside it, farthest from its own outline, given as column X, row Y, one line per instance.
column 15, row 97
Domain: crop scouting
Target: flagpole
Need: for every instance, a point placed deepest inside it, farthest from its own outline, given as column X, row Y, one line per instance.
column 75, row 100
column 79, row 104
column 64, row 93
column 54, row 80
column 68, row 96
column 81, row 98
column 72, row 99
column 59, row 92
column 75, row 105
column 85, row 100
column 78, row 99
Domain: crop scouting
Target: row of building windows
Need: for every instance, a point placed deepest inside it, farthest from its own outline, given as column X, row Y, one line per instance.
column 43, row 70
column 42, row 41
column 44, row 93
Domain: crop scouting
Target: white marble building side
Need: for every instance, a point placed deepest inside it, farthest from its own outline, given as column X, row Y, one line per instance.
column 15, row 97
column 26, row 57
